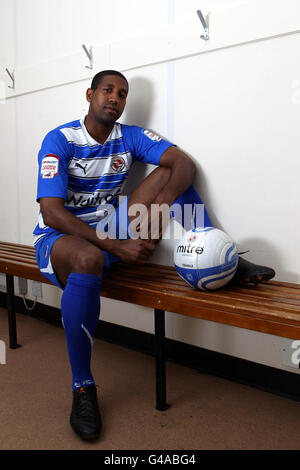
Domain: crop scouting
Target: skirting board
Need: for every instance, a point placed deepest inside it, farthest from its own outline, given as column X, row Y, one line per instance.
column 266, row 378
column 247, row 22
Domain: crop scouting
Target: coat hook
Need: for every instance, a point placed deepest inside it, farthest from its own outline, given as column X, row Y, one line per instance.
column 204, row 36
column 12, row 77
column 89, row 53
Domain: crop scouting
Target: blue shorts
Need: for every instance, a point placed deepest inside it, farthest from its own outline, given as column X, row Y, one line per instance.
column 44, row 246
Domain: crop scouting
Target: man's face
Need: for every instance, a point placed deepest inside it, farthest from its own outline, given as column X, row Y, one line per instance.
column 108, row 101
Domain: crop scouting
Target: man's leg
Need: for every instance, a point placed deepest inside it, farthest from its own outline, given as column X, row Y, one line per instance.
column 149, row 189
column 78, row 264
column 182, row 210
column 145, row 194
column 247, row 273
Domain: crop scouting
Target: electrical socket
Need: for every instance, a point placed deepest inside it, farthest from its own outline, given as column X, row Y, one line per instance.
column 22, row 284
column 37, row 289
column 2, row 282
column 290, row 353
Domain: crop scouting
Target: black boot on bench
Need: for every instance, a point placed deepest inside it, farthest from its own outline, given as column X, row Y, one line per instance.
column 250, row 273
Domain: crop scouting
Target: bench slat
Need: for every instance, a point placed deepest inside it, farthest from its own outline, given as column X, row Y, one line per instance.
column 265, row 295
column 272, row 307
column 16, row 245
column 25, row 270
column 271, row 325
column 14, row 256
column 17, row 249
column 211, row 299
column 11, row 259
column 274, row 290
column 236, row 295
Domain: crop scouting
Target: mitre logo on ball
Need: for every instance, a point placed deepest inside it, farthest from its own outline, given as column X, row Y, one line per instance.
column 206, row 258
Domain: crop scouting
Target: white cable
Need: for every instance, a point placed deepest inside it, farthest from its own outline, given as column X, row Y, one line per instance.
column 29, row 308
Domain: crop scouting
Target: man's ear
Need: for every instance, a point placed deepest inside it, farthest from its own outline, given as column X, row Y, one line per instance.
column 89, row 94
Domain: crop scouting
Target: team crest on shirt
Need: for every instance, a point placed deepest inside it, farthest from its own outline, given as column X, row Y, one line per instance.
column 49, row 167
column 152, row 136
column 118, row 163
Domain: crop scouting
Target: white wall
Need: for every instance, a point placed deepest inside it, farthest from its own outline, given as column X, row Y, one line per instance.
column 235, row 111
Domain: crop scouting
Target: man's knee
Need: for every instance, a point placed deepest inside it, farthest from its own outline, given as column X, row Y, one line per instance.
column 89, row 261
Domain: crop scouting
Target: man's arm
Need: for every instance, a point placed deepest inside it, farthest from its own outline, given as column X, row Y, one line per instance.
column 183, row 171
column 55, row 215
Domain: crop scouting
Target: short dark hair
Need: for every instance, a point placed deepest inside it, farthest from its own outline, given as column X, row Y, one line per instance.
column 98, row 77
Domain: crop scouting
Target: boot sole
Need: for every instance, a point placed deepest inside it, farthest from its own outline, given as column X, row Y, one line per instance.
column 254, row 280
column 85, row 437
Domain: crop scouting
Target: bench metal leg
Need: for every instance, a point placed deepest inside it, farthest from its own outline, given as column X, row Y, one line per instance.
column 160, row 360
column 12, row 328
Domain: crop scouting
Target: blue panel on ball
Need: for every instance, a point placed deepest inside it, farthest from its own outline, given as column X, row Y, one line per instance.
column 205, row 284
column 201, row 230
column 228, row 253
column 189, row 275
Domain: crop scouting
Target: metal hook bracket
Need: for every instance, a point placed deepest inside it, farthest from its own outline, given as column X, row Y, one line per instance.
column 89, row 53
column 12, row 77
column 204, row 36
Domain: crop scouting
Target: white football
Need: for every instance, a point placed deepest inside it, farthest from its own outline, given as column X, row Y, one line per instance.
column 206, row 258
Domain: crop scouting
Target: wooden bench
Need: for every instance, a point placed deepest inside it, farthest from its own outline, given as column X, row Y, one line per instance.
column 272, row 307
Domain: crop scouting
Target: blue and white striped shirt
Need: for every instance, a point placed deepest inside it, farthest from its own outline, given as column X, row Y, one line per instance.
column 87, row 175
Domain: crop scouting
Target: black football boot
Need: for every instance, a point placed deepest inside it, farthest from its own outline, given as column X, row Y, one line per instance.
column 85, row 417
column 248, row 273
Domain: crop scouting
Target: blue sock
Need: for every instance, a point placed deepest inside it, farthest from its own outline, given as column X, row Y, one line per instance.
column 189, row 211
column 80, row 308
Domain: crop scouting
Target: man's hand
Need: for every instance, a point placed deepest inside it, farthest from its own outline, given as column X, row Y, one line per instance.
column 57, row 216
column 133, row 250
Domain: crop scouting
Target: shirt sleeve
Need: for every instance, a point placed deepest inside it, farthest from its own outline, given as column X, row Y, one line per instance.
column 53, row 160
column 145, row 145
